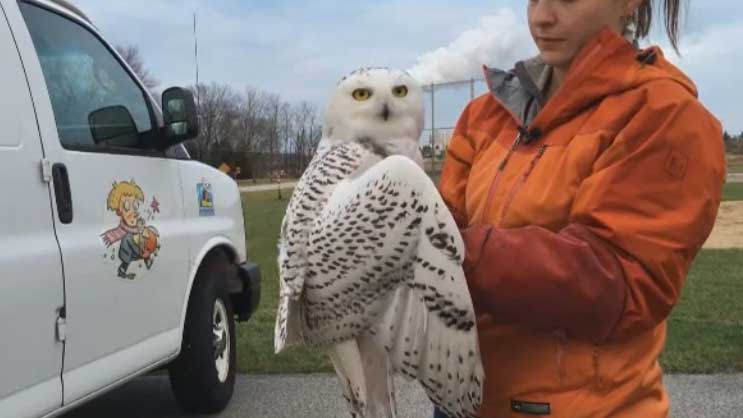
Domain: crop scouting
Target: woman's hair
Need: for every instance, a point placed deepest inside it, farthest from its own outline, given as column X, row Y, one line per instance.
column 643, row 19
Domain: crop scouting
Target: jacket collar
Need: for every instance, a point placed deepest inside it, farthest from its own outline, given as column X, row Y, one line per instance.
column 607, row 64
column 520, row 90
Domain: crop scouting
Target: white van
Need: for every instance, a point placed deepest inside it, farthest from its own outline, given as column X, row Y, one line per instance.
column 118, row 254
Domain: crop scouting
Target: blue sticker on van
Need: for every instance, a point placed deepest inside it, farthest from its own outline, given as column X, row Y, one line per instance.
column 134, row 239
column 205, row 196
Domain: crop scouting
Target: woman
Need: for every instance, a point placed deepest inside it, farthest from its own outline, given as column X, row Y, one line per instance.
column 585, row 183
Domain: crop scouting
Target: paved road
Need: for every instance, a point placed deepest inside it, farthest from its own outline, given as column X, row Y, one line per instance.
column 732, row 178
column 264, row 187
column 318, row 396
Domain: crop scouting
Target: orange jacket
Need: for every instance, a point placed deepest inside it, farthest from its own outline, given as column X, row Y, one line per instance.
column 580, row 227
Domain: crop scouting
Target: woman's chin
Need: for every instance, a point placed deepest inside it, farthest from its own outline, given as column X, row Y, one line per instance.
column 554, row 58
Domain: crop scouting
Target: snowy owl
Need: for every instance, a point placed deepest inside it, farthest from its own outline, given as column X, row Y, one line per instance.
column 370, row 257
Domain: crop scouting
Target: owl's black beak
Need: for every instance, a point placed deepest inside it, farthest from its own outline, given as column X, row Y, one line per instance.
column 385, row 112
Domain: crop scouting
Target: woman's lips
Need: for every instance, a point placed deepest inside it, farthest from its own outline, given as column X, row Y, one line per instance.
column 549, row 42
column 545, row 39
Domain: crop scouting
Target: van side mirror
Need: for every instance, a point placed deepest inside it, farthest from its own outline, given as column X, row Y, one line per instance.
column 179, row 115
column 112, row 123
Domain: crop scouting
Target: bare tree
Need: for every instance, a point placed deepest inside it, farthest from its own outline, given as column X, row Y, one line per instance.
column 251, row 108
column 271, row 141
column 307, row 134
column 133, row 57
column 255, row 130
column 217, row 111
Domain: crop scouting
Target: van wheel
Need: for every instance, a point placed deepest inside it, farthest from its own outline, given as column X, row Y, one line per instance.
column 203, row 375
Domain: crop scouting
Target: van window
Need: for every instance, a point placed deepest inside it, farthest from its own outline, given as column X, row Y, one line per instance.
column 91, row 92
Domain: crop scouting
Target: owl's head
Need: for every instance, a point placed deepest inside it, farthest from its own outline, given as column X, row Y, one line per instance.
column 375, row 103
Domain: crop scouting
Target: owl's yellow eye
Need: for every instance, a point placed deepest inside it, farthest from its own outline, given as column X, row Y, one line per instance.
column 362, row 94
column 400, row 91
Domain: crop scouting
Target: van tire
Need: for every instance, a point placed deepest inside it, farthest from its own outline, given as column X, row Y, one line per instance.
column 201, row 380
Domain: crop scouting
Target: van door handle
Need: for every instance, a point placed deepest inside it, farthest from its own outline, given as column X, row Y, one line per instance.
column 62, row 192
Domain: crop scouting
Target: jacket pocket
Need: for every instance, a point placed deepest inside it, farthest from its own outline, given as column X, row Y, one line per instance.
column 576, row 362
column 521, row 181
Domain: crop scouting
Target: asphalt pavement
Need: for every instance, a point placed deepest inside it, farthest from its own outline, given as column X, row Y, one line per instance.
column 319, row 396
column 247, row 187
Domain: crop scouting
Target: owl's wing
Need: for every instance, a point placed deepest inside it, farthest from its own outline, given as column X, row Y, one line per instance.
column 385, row 260
column 331, row 164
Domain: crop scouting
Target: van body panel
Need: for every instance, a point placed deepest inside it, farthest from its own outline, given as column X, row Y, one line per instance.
column 30, row 269
column 100, row 296
column 125, row 250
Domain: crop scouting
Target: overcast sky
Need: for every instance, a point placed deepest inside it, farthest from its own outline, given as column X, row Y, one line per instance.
column 300, row 48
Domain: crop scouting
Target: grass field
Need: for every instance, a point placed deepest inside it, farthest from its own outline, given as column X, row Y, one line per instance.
column 732, row 191
column 263, row 182
column 705, row 329
column 735, row 163
column 263, row 214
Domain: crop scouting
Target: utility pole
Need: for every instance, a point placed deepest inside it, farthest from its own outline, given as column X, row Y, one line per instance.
column 196, row 56
column 433, row 128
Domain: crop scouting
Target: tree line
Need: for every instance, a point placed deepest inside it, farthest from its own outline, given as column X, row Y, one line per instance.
column 253, row 130
column 733, row 143
column 262, row 134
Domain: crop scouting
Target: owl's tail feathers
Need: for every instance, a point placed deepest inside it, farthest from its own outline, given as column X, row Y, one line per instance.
column 287, row 330
column 363, row 370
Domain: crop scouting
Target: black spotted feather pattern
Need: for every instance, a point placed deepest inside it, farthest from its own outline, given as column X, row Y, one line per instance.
column 370, row 267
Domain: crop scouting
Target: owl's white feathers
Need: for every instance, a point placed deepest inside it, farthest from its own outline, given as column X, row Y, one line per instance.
column 370, row 258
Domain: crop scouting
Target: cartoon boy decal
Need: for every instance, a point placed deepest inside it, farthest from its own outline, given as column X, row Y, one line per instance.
column 138, row 241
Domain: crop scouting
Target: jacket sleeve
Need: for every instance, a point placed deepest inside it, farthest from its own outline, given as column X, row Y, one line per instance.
column 636, row 224
column 460, row 154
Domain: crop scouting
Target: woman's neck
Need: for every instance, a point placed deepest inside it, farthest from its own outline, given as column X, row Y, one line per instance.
column 556, row 80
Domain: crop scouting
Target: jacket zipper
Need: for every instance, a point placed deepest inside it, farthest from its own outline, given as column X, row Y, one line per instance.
column 596, row 368
column 559, row 338
column 501, row 167
column 522, row 181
